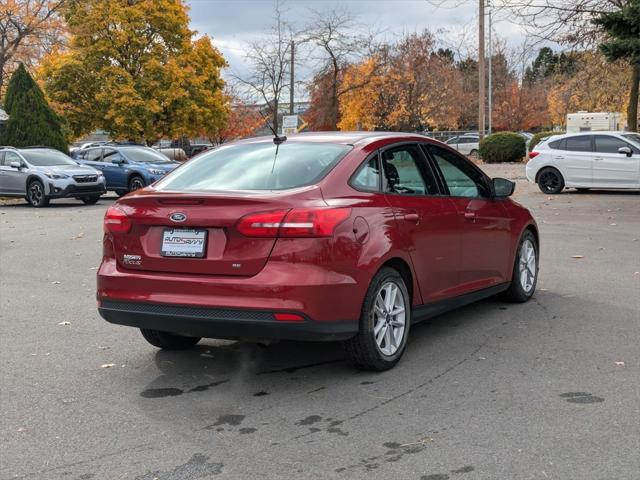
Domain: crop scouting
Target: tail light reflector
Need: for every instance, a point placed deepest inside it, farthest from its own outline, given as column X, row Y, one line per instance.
column 298, row 222
column 116, row 221
column 533, row 155
column 288, row 317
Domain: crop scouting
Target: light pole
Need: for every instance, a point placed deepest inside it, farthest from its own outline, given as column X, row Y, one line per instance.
column 481, row 71
column 490, row 65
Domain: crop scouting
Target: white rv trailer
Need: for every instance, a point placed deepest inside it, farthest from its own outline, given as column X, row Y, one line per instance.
column 595, row 121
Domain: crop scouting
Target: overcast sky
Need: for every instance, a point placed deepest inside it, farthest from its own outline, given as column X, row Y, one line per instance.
column 234, row 23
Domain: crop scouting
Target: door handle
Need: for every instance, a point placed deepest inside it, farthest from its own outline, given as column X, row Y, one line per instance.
column 598, row 159
column 470, row 216
column 412, row 217
column 557, row 157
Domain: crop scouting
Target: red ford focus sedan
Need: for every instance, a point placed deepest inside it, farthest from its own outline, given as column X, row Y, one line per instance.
column 325, row 236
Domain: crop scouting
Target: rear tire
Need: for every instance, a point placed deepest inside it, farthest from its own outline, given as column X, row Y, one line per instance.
column 525, row 270
column 35, row 194
column 550, row 181
column 168, row 341
column 90, row 200
column 382, row 335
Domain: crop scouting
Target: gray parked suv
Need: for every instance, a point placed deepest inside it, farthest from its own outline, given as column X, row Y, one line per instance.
column 41, row 174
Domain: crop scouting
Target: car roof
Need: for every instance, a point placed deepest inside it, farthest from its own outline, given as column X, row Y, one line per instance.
column 575, row 134
column 345, row 138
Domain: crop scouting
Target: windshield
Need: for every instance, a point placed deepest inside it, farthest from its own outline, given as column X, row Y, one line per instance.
column 634, row 137
column 46, row 158
column 143, row 154
column 256, row 167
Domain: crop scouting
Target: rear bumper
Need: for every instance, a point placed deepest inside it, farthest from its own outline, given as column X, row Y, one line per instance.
column 221, row 323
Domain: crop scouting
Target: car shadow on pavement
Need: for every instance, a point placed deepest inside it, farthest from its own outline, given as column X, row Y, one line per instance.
column 252, row 369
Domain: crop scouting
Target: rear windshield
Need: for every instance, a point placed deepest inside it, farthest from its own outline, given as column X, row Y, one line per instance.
column 256, row 167
column 46, row 158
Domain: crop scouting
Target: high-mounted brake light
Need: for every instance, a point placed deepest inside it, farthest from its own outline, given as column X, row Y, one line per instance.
column 533, row 155
column 298, row 222
column 116, row 221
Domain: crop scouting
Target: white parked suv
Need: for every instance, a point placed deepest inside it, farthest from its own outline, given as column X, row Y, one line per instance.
column 609, row 160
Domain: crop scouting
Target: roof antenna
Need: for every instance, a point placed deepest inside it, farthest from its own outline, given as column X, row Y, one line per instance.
column 277, row 139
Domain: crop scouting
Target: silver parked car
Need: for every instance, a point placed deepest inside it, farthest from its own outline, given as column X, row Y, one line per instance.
column 42, row 174
column 468, row 144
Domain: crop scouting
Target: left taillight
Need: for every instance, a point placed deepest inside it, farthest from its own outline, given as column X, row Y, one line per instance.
column 116, row 221
column 533, row 155
column 297, row 223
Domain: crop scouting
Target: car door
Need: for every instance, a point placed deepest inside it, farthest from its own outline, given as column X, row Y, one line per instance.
column 114, row 168
column 13, row 180
column 612, row 169
column 574, row 159
column 484, row 228
column 426, row 219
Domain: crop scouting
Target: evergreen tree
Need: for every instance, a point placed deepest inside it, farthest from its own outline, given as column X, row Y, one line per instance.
column 31, row 120
column 623, row 31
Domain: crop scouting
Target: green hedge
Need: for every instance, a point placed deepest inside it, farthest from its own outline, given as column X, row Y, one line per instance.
column 503, row 147
column 540, row 136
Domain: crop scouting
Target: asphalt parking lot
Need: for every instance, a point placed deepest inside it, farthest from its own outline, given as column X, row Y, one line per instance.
column 549, row 389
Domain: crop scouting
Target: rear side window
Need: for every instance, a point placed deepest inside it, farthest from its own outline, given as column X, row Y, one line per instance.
column 368, row 176
column 558, row 144
column 608, row 144
column 579, row 144
column 93, row 155
column 256, row 166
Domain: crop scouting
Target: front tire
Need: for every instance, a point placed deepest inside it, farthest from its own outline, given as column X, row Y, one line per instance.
column 90, row 199
column 35, row 194
column 168, row 341
column 525, row 270
column 550, row 181
column 136, row 183
column 384, row 324
column 474, row 155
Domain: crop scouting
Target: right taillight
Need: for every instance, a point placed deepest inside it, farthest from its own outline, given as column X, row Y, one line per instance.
column 295, row 223
column 533, row 155
column 116, row 221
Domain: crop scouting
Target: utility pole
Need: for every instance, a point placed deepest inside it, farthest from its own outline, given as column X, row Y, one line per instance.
column 490, row 99
column 481, row 71
column 292, row 86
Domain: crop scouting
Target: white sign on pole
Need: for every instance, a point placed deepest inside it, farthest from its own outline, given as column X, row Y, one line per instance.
column 289, row 122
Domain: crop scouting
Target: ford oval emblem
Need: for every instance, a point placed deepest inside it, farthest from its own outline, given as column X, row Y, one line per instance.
column 178, row 217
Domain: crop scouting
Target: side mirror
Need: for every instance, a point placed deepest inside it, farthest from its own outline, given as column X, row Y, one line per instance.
column 503, row 187
column 625, row 151
column 118, row 161
column 16, row 165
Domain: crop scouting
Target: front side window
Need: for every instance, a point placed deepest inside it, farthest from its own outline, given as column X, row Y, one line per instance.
column 579, row 144
column 256, row 166
column 462, row 179
column 368, row 176
column 608, row 144
column 11, row 157
column 403, row 170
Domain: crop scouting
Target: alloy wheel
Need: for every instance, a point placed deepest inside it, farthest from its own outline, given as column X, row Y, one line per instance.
column 35, row 193
column 389, row 314
column 527, row 265
column 136, row 184
column 549, row 181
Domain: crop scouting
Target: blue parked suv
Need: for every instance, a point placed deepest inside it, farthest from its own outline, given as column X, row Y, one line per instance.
column 126, row 167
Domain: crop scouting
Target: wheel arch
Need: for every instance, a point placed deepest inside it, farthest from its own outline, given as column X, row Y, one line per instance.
column 402, row 267
column 30, row 179
column 552, row 167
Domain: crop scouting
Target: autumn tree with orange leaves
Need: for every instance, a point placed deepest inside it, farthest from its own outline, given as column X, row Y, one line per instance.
column 29, row 29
